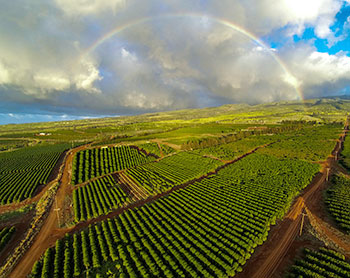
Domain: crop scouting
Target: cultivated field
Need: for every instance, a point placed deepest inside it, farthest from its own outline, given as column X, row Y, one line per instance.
column 228, row 192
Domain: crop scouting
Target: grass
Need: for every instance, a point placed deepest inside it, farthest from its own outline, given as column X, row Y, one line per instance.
column 16, row 213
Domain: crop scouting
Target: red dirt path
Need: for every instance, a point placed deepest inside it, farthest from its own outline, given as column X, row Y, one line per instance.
column 267, row 260
column 50, row 232
column 270, row 255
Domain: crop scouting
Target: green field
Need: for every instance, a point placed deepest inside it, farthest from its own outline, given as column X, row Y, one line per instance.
column 180, row 235
column 345, row 154
column 97, row 198
column 172, row 171
column 311, row 143
column 23, row 170
column 97, row 162
column 155, row 149
column 321, row 263
column 187, row 193
column 235, row 149
column 338, row 201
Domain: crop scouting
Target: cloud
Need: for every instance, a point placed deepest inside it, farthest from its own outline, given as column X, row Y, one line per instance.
column 128, row 56
column 163, row 63
column 86, row 79
column 142, row 101
column 4, row 75
column 321, row 73
column 90, row 7
column 346, row 26
column 51, row 81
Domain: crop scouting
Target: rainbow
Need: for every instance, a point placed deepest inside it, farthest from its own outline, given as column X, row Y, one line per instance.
column 288, row 76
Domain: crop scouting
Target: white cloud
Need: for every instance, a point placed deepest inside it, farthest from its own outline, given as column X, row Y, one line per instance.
column 328, row 67
column 292, row 80
column 142, row 100
column 87, row 77
column 310, row 10
column 263, row 16
column 128, row 56
column 51, row 81
column 167, row 62
column 4, row 75
column 346, row 26
column 89, row 7
column 321, row 73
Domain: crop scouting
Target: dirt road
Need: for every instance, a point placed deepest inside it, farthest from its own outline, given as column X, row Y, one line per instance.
column 49, row 232
column 281, row 238
column 269, row 256
column 340, row 240
column 160, row 141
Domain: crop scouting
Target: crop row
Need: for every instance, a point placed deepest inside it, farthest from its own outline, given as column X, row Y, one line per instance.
column 102, row 195
column 323, row 263
column 171, row 171
column 345, row 154
column 96, row 162
column 31, row 158
column 97, row 198
column 234, row 149
column 22, row 171
column 5, row 236
column 15, row 187
column 310, row 144
column 208, row 229
column 338, row 201
column 12, row 144
column 154, row 148
column 39, row 162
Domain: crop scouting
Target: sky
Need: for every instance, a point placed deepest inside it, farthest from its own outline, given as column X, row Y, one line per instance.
column 73, row 59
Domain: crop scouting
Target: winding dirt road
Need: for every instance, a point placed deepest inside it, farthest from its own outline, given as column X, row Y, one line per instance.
column 50, row 232
column 272, row 252
column 283, row 235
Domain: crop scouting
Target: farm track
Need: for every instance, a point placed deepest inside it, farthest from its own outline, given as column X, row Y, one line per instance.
column 327, row 232
column 50, row 232
column 270, row 255
column 171, row 145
